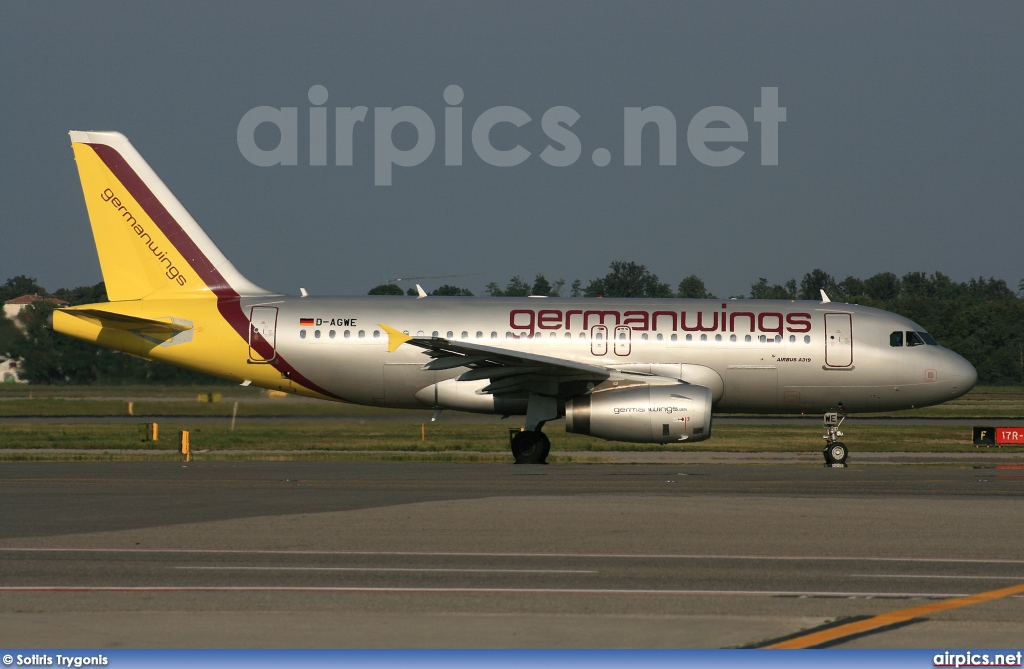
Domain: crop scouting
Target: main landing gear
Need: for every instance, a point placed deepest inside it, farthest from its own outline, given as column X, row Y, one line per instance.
column 531, row 446
column 835, row 451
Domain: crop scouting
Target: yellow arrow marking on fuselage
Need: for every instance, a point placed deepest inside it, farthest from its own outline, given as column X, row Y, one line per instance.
column 395, row 338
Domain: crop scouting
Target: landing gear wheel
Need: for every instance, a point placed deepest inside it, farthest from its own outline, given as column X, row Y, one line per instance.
column 531, row 448
column 835, row 454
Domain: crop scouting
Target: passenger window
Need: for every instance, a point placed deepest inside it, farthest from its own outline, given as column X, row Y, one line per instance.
column 896, row 339
column 807, row 339
column 479, row 335
column 316, row 333
column 494, row 335
column 644, row 336
column 622, row 336
column 376, row 334
column 792, row 339
column 434, row 334
column 703, row 337
column 928, row 339
column 689, row 337
column 747, row 338
column 675, row 337
column 348, row 334
column 661, row 337
column 568, row 335
column 763, row 339
column 449, row 334
column 914, row 339
column 302, row 334
column 362, row 334
column 599, row 336
column 465, row 335
column 332, row 334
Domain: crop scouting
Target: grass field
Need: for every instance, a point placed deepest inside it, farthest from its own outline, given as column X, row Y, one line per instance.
column 369, row 433
column 443, row 441
column 163, row 401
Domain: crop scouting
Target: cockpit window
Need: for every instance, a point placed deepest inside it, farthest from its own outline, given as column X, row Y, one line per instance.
column 914, row 339
column 896, row 339
column 928, row 339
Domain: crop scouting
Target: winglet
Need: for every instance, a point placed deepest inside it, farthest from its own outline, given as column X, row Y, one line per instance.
column 420, row 293
column 395, row 338
column 824, row 297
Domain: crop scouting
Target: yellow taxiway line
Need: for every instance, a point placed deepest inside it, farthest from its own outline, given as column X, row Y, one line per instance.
column 894, row 618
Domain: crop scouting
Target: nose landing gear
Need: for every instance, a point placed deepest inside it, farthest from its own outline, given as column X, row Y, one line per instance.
column 835, row 451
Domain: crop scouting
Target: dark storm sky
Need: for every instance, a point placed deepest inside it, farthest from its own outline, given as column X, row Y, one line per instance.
column 902, row 150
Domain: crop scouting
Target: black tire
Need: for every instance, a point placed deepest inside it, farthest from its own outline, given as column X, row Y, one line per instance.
column 531, row 448
column 836, row 454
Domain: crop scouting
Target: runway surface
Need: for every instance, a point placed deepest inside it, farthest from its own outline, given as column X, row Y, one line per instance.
column 293, row 554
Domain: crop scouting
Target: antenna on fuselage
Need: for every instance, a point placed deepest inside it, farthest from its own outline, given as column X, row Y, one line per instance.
column 824, row 297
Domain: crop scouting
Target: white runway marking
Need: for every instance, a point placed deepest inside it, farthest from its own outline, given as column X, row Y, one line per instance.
column 628, row 556
column 951, row 576
column 504, row 591
column 403, row 569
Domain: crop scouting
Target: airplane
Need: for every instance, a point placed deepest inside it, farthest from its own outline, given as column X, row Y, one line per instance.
column 633, row 370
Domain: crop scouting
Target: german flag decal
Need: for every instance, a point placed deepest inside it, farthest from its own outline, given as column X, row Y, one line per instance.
column 306, row 321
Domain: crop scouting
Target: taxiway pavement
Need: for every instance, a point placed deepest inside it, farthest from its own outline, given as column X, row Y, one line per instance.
column 350, row 554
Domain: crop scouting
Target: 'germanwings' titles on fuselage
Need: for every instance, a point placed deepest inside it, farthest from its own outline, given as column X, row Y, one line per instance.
column 648, row 371
column 758, row 356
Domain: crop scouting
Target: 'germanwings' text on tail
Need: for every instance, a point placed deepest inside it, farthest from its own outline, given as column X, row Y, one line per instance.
column 628, row 370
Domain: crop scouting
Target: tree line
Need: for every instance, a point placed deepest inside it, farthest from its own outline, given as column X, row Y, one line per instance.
column 981, row 319
column 48, row 357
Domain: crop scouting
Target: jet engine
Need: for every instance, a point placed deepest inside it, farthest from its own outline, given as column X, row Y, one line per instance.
column 658, row 414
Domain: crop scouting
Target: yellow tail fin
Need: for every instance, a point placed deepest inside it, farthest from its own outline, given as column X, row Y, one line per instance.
column 148, row 244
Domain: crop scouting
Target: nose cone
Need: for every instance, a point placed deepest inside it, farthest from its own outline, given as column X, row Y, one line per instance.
column 962, row 373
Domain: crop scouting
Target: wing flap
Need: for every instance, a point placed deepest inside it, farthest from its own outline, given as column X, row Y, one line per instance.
column 507, row 370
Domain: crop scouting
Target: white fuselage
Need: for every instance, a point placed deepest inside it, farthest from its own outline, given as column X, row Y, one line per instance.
column 757, row 356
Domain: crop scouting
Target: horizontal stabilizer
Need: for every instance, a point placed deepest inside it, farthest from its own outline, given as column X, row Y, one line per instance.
column 117, row 321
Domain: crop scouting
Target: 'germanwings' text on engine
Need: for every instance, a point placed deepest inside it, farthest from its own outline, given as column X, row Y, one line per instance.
column 648, row 371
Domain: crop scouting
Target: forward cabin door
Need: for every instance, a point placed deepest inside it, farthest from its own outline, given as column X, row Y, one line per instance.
column 262, row 334
column 838, row 340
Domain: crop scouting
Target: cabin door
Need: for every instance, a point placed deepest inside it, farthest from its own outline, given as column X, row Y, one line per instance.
column 838, row 340
column 262, row 334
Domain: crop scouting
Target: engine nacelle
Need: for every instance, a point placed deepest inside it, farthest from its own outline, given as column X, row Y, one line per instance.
column 643, row 414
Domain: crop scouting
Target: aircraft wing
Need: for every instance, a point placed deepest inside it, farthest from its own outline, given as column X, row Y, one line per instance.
column 516, row 371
